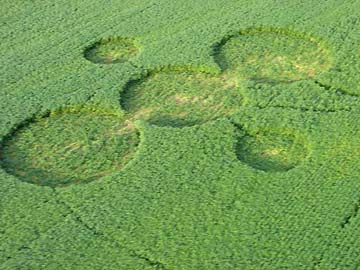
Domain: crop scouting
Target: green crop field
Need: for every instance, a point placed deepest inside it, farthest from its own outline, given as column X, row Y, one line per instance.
column 180, row 135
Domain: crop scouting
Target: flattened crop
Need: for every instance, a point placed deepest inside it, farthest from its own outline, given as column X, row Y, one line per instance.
column 273, row 55
column 112, row 51
column 271, row 151
column 180, row 98
column 69, row 148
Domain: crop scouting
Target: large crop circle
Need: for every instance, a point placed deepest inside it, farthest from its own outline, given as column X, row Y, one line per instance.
column 181, row 98
column 69, row 148
column 274, row 56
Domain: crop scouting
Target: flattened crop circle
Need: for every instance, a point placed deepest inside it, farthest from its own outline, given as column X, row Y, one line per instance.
column 112, row 51
column 274, row 55
column 181, row 98
column 271, row 151
column 68, row 148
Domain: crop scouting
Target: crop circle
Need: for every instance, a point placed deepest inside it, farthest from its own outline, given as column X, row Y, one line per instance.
column 112, row 51
column 181, row 98
column 69, row 148
column 271, row 151
column 274, row 56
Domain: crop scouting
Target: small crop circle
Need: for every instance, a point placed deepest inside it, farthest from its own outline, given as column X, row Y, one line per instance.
column 69, row 148
column 112, row 51
column 271, row 151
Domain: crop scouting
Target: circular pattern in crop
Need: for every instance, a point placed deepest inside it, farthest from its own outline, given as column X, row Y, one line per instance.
column 271, row 151
column 111, row 51
column 69, row 148
column 273, row 56
column 181, row 98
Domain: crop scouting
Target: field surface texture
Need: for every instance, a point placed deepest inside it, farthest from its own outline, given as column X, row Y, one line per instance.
column 180, row 135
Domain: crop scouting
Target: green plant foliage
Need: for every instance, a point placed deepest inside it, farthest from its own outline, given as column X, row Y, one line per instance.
column 181, row 98
column 68, row 245
column 223, row 134
column 69, row 148
column 112, row 51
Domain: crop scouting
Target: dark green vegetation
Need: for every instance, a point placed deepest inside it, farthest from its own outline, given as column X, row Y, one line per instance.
column 238, row 123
